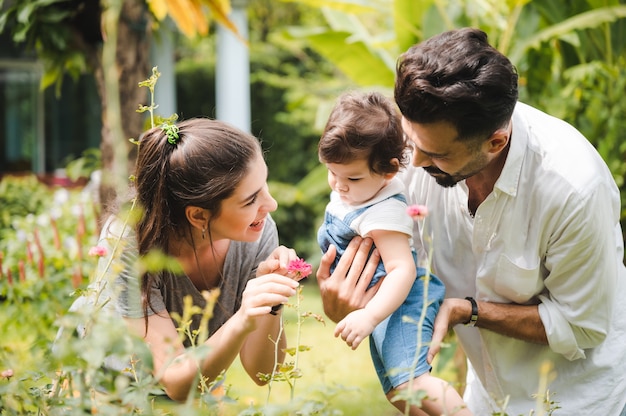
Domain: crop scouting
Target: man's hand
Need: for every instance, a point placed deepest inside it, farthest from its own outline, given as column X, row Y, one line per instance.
column 346, row 289
column 444, row 322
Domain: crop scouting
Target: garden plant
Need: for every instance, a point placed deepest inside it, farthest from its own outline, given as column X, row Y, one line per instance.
column 570, row 60
column 53, row 357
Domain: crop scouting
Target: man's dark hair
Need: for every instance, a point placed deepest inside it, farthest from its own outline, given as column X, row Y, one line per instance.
column 457, row 77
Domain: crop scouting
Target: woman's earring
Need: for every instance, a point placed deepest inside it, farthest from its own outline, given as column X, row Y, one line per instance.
column 203, row 233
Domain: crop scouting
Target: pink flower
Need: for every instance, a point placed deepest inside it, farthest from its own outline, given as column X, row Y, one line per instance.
column 8, row 373
column 300, row 267
column 97, row 251
column 417, row 212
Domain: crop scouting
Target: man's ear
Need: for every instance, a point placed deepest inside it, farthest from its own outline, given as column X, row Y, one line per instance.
column 197, row 217
column 498, row 141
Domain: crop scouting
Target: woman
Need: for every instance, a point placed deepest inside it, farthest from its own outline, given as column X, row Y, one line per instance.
column 201, row 187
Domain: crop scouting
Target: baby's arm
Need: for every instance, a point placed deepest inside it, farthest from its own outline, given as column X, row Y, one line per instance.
column 396, row 255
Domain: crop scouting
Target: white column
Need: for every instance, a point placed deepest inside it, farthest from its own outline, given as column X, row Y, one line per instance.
column 232, row 72
column 162, row 56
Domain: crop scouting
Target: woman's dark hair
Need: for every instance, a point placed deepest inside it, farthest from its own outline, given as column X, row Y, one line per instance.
column 202, row 169
column 457, row 77
column 364, row 126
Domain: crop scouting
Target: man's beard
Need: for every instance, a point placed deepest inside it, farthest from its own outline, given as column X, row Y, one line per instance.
column 447, row 180
column 442, row 178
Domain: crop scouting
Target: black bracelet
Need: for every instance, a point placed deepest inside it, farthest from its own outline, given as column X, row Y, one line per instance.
column 276, row 308
column 474, row 318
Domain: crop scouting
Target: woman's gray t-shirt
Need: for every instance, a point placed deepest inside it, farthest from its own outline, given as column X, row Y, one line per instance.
column 169, row 290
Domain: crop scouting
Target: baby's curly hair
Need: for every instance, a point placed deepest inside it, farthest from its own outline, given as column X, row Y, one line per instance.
column 364, row 126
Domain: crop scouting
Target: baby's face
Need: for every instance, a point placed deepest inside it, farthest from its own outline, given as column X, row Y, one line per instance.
column 355, row 182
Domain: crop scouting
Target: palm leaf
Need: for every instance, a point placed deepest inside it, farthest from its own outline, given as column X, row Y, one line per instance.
column 566, row 28
column 355, row 59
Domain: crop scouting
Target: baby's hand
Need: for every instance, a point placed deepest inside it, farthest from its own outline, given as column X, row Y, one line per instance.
column 355, row 327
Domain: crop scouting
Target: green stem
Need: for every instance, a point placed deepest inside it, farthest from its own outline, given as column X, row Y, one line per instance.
column 276, row 363
column 420, row 324
column 298, row 335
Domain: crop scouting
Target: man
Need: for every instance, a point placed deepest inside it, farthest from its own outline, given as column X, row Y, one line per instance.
column 525, row 234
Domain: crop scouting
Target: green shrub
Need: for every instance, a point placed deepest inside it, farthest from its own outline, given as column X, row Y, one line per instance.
column 20, row 196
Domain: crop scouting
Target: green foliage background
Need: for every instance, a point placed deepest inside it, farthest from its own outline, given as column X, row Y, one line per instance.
column 571, row 57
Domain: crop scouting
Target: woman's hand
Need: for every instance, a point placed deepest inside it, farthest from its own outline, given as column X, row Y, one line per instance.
column 262, row 293
column 259, row 354
column 277, row 262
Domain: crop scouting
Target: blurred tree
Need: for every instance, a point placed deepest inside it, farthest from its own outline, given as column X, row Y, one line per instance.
column 111, row 38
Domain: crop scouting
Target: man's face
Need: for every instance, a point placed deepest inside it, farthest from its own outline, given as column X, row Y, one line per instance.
column 436, row 148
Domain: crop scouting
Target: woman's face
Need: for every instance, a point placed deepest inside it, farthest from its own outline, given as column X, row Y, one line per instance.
column 242, row 215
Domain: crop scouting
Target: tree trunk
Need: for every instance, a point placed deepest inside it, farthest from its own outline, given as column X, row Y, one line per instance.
column 126, row 23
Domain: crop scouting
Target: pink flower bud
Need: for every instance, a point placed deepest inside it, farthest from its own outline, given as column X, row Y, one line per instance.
column 97, row 251
column 417, row 212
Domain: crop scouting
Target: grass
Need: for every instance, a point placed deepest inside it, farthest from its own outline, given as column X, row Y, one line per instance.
column 343, row 378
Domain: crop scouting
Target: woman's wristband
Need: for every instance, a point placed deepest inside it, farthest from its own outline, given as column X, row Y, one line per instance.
column 276, row 308
column 474, row 317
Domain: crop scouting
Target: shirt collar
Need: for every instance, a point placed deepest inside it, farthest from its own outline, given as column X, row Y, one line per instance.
column 511, row 172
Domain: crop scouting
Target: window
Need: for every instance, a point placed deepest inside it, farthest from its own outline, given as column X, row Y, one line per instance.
column 21, row 118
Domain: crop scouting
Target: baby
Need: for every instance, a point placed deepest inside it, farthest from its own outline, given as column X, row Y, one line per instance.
column 363, row 147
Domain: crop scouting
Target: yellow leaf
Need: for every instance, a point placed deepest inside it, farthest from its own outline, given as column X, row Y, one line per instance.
column 158, row 8
column 180, row 11
column 222, row 5
column 202, row 24
column 220, row 9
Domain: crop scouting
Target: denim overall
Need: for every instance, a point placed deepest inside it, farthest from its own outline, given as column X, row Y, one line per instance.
column 394, row 342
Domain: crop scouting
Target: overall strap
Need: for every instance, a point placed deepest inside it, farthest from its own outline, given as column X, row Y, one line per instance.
column 354, row 214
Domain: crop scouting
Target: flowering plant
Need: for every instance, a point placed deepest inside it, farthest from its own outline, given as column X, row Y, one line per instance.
column 417, row 212
column 300, row 267
column 97, row 251
column 289, row 372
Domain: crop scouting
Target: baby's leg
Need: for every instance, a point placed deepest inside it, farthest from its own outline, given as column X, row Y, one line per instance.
column 441, row 398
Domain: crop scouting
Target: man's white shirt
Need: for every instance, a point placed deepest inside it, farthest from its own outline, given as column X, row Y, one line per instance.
column 539, row 238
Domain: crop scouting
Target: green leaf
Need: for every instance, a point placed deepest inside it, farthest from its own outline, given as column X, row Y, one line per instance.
column 55, row 16
column 314, row 183
column 565, row 29
column 408, row 16
column 4, row 17
column 155, row 261
column 344, row 22
column 20, row 34
column 355, row 59
column 25, row 11
column 348, row 6
column 50, row 76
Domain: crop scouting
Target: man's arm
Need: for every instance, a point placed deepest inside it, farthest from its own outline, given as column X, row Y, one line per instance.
column 346, row 289
column 515, row 321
